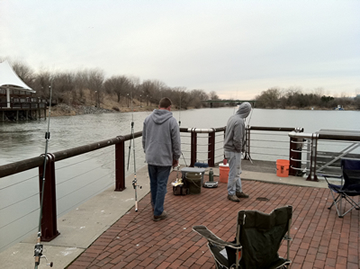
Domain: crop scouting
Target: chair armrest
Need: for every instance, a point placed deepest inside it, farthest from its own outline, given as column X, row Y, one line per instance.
column 205, row 232
column 325, row 175
column 329, row 176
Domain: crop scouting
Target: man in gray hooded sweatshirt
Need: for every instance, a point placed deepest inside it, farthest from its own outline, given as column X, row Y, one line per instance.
column 234, row 144
column 162, row 146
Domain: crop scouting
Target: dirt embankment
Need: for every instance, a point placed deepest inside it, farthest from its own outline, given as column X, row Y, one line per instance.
column 108, row 104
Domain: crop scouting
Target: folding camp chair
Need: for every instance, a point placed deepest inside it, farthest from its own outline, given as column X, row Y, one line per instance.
column 349, row 187
column 257, row 240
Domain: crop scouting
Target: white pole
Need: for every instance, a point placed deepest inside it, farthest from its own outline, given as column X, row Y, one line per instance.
column 8, row 97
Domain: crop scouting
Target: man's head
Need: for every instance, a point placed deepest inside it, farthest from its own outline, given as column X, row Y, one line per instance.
column 165, row 103
column 244, row 109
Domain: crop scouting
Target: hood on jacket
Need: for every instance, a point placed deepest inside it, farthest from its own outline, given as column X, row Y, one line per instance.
column 244, row 110
column 159, row 116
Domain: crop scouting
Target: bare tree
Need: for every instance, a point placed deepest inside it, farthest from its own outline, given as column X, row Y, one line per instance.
column 120, row 85
column 198, row 97
column 214, row 97
column 95, row 80
column 153, row 90
column 269, row 98
column 41, row 84
column 80, row 81
column 63, row 88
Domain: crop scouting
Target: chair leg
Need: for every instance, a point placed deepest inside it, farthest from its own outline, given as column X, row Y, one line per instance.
column 334, row 200
column 339, row 209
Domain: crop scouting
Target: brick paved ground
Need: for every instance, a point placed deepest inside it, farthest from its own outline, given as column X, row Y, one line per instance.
column 320, row 238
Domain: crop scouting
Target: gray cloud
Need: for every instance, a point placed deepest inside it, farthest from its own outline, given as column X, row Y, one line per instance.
column 231, row 47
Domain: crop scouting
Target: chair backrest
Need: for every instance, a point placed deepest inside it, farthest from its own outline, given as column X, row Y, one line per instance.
column 261, row 234
column 351, row 172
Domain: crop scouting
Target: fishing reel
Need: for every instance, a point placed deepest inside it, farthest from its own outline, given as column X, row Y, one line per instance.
column 135, row 185
column 38, row 255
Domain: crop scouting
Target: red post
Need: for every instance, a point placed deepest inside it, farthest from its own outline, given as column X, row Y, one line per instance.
column 193, row 147
column 49, row 217
column 120, row 166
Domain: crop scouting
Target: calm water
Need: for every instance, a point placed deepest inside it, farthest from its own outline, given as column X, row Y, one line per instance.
column 25, row 140
column 19, row 200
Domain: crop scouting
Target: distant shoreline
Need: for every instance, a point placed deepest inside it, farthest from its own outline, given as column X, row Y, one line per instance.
column 66, row 110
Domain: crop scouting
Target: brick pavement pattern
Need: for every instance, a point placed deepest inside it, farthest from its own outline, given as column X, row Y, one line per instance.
column 320, row 238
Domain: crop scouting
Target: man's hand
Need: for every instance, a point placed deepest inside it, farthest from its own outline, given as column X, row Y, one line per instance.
column 175, row 163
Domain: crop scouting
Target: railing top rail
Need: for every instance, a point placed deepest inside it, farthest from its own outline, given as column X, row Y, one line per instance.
column 200, row 130
column 319, row 136
column 303, row 135
column 283, row 129
column 20, row 166
column 339, row 134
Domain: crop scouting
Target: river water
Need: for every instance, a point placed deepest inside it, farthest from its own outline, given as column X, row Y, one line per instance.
column 26, row 139
column 19, row 200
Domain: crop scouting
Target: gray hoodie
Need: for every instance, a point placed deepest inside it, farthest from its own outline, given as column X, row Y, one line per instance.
column 161, row 138
column 235, row 129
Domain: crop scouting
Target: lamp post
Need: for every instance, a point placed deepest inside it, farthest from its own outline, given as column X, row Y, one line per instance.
column 97, row 99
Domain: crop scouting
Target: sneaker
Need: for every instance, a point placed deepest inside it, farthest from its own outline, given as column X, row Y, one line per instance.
column 160, row 217
column 233, row 198
column 241, row 195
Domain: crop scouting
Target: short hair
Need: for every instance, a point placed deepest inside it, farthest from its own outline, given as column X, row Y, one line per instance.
column 165, row 102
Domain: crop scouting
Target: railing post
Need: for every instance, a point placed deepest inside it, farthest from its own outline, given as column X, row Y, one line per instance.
column 312, row 175
column 211, row 149
column 49, row 217
column 193, row 147
column 295, row 154
column 120, row 166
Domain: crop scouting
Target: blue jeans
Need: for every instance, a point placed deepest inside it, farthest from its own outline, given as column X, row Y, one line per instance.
column 159, row 176
column 234, row 181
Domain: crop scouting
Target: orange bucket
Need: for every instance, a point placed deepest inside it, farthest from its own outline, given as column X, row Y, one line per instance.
column 224, row 172
column 282, row 168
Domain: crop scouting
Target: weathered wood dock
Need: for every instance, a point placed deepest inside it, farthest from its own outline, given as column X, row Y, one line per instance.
column 22, row 108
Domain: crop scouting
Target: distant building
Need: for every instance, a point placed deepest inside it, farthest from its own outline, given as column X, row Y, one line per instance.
column 16, row 98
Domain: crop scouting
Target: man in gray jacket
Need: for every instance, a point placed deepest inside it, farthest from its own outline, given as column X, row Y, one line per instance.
column 162, row 146
column 234, row 144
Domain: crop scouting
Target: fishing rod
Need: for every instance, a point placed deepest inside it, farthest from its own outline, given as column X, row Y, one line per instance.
column 179, row 127
column 247, row 138
column 132, row 143
column 39, row 247
column 132, row 131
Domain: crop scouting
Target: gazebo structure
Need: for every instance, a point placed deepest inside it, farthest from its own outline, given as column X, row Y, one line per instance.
column 16, row 101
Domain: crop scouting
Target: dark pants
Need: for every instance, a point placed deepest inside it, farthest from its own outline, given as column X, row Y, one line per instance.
column 159, row 176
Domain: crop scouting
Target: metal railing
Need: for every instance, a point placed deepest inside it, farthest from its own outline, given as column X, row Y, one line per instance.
column 268, row 143
column 23, row 103
column 199, row 145
column 312, row 153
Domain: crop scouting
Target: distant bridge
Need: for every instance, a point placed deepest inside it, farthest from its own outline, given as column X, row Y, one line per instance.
column 211, row 102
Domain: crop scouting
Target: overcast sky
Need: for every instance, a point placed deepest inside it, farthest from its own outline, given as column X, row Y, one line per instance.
column 237, row 48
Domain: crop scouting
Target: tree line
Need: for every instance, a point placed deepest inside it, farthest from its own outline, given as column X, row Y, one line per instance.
column 69, row 88
column 294, row 98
